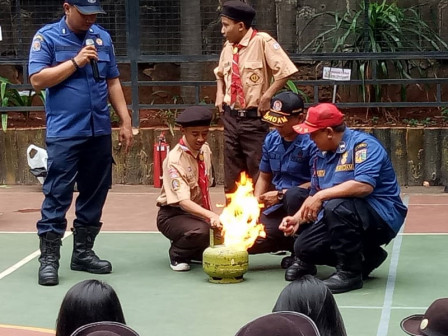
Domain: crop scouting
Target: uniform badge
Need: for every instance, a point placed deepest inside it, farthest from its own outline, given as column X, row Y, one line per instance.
column 36, row 45
column 361, row 155
column 344, row 158
column 173, row 173
column 175, row 185
column 276, row 46
column 424, row 324
column 99, row 41
column 342, row 146
column 277, row 105
column 254, row 78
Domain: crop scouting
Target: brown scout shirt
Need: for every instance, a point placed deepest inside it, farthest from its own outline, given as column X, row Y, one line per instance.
column 261, row 59
column 181, row 174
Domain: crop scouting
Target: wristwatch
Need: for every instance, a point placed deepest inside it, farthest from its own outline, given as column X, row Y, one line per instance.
column 280, row 195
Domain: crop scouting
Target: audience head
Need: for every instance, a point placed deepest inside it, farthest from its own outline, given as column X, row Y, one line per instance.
column 309, row 295
column 280, row 324
column 434, row 322
column 86, row 302
column 104, row 329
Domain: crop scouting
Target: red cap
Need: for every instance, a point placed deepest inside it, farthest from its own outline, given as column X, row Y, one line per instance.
column 320, row 116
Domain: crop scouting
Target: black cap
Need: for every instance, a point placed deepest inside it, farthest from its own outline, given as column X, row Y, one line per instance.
column 87, row 7
column 195, row 116
column 238, row 11
column 280, row 323
column 284, row 105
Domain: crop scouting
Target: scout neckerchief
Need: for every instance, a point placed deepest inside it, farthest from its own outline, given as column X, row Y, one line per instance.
column 236, row 88
column 203, row 178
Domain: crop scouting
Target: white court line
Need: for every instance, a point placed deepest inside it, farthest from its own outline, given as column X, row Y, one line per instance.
column 383, row 326
column 27, row 259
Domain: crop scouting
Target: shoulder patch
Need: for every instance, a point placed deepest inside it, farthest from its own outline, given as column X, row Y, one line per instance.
column 361, row 155
column 360, row 145
column 175, row 184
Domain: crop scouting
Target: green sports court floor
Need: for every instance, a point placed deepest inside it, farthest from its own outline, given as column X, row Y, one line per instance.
column 158, row 301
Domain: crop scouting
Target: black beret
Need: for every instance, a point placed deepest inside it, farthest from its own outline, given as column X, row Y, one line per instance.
column 238, row 11
column 195, row 116
column 284, row 105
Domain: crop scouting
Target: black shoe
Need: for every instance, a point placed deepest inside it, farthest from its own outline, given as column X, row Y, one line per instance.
column 287, row 261
column 298, row 269
column 343, row 281
column 373, row 261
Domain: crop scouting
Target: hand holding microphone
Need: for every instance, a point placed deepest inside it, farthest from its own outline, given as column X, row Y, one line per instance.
column 93, row 62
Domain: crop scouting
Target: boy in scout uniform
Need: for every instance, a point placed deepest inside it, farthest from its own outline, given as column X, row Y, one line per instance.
column 354, row 205
column 185, row 216
column 251, row 69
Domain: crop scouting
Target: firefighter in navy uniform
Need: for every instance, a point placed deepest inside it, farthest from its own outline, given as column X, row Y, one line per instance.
column 186, row 216
column 78, row 135
column 252, row 68
column 354, row 205
column 285, row 172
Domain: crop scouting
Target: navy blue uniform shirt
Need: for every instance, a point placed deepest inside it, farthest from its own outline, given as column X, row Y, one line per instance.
column 362, row 158
column 78, row 106
column 289, row 167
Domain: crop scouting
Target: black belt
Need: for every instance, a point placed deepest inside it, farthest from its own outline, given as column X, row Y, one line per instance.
column 249, row 113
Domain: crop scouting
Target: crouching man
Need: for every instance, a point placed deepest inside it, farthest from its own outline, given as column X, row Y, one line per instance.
column 354, row 205
column 185, row 216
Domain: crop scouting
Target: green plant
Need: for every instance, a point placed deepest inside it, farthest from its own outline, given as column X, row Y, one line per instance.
column 291, row 86
column 389, row 28
column 444, row 114
column 411, row 122
column 375, row 120
column 168, row 116
column 12, row 97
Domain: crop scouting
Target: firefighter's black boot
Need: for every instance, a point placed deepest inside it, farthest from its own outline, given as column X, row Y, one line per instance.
column 83, row 257
column 298, row 269
column 50, row 246
column 348, row 275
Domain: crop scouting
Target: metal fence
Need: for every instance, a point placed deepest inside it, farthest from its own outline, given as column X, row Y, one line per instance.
column 186, row 35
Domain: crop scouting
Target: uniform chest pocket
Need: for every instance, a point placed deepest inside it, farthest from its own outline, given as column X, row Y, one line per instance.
column 253, row 73
column 103, row 63
column 64, row 55
column 299, row 156
column 275, row 162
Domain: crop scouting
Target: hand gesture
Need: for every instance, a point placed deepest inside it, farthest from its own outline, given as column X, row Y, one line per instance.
column 289, row 225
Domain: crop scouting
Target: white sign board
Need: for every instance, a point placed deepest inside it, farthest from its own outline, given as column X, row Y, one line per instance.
column 1, row 38
column 336, row 73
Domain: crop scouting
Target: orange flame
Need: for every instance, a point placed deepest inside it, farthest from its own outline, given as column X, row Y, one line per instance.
column 240, row 217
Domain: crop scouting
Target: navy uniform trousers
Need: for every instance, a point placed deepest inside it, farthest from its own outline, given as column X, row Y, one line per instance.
column 86, row 161
column 350, row 229
column 275, row 239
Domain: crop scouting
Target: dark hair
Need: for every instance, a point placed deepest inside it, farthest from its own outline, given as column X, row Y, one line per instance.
column 339, row 128
column 309, row 295
column 86, row 302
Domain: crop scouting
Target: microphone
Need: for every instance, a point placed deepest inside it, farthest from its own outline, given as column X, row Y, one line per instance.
column 93, row 62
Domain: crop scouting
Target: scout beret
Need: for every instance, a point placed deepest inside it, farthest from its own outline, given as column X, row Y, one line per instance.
column 195, row 116
column 238, row 11
column 104, row 328
column 284, row 105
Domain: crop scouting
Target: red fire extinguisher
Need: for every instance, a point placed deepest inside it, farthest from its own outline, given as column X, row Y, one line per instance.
column 161, row 149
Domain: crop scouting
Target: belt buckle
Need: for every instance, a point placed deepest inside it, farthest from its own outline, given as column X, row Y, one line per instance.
column 241, row 113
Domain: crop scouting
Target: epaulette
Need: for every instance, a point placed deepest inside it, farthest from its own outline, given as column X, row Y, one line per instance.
column 265, row 36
